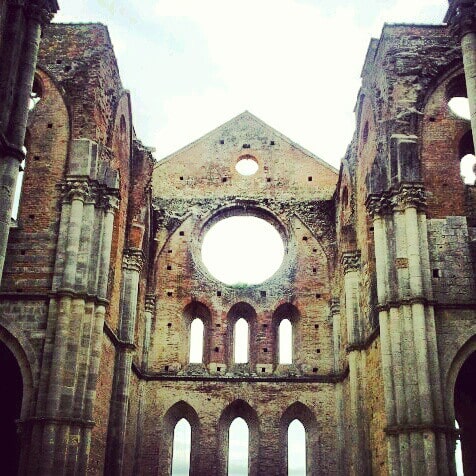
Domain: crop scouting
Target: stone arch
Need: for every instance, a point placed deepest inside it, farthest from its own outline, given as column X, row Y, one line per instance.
column 286, row 311
column 15, row 347
column 193, row 310
column 247, row 312
column 239, row 409
column 174, row 414
column 465, row 355
column 300, row 411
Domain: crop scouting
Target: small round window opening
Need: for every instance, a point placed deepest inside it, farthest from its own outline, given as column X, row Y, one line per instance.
column 247, row 165
column 242, row 250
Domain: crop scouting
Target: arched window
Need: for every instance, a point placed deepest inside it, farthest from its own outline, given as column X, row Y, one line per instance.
column 238, row 444
column 18, row 189
column 241, row 339
column 467, row 158
column 296, row 449
column 181, row 448
column 285, row 342
column 196, row 341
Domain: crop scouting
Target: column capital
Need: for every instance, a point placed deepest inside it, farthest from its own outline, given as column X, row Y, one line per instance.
column 461, row 17
column 133, row 259
column 378, row 204
column 76, row 190
column 351, row 261
column 409, row 195
column 150, row 302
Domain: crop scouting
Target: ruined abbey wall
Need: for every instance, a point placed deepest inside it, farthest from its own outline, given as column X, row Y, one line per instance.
column 104, row 276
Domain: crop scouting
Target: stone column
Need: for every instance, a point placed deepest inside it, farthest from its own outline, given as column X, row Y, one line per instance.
column 12, row 138
column 132, row 265
column 148, row 316
column 356, row 356
column 461, row 17
column 416, row 430
column 339, row 391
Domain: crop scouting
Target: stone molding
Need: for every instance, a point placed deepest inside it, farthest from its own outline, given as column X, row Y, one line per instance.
column 351, row 261
column 406, row 428
column 334, row 305
column 133, row 259
column 60, row 421
column 407, row 195
column 8, row 149
column 461, row 17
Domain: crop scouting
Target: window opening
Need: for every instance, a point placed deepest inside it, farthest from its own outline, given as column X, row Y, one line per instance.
column 196, row 341
column 36, row 94
column 181, row 448
column 459, row 106
column 238, row 441
column 242, row 250
column 285, row 342
column 18, row 189
column 247, row 165
column 458, row 455
column 296, row 449
column 467, row 169
column 241, row 342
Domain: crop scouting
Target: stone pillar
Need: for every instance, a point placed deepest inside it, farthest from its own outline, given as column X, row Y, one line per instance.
column 356, row 356
column 148, row 316
column 339, row 390
column 12, row 136
column 132, row 265
column 416, row 430
column 461, row 17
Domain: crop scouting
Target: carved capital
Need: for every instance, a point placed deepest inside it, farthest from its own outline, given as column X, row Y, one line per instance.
column 109, row 202
column 378, row 204
column 133, row 259
column 409, row 196
column 461, row 17
column 76, row 190
column 334, row 306
column 351, row 261
column 150, row 302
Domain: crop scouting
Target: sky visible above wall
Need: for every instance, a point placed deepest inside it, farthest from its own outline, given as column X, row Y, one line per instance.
column 192, row 65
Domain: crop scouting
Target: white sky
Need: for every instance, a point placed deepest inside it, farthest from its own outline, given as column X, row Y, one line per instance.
column 192, row 65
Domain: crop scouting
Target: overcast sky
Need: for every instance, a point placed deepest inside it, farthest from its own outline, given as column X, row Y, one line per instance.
column 192, row 65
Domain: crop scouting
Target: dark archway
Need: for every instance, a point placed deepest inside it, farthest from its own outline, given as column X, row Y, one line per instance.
column 465, row 403
column 10, row 409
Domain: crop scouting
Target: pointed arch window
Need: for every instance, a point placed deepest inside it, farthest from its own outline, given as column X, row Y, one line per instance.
column 241, row 342
column 196, row 341
column 285, row 342
column 238, row 448
column 18, row 190
column 296, row 449
column 182, row 446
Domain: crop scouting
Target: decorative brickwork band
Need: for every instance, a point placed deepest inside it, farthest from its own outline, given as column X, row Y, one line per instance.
column 461, row 17
column 351, row 261
column 133, row 259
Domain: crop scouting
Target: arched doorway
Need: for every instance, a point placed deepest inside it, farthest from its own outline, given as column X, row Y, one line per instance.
column 10, row 408
column 465, row 404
